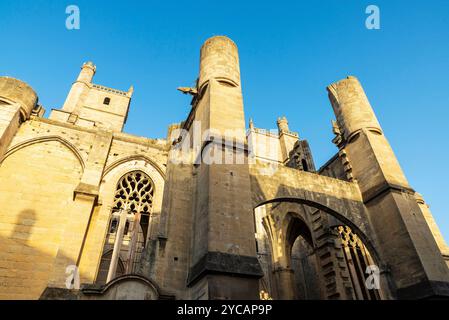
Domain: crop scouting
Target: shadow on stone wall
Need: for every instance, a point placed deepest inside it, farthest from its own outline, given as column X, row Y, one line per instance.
column 25, row 269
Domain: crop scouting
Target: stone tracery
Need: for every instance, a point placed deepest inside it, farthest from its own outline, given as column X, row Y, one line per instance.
column 133, row 200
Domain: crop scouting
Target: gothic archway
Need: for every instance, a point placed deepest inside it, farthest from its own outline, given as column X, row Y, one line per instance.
column 360, row 264
column 129, row 222
column 302, row 258
column 311, row 257
column 361, row 229
column 285, row 248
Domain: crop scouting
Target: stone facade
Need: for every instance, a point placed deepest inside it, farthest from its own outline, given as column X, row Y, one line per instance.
column 215, row 210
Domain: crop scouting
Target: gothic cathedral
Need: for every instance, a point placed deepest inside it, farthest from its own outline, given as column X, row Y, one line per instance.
column 215, row 210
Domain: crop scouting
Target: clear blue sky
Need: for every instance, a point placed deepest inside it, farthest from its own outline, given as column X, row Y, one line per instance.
column 289, row 52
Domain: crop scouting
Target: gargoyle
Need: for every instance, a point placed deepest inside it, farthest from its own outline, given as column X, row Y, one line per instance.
column 187, row 90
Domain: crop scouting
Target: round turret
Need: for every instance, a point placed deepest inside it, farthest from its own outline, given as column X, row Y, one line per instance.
column 352, row 107
column 219, row 60
column 283, row 125
column 16, row 91
column 87, row 72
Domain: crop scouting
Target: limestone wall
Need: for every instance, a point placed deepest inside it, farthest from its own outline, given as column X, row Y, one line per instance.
column 45, row 163
column 36, row 193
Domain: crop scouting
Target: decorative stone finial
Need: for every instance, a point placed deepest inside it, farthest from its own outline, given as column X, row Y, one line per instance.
column 283, row 124
column 251, row 124
column 130, row 91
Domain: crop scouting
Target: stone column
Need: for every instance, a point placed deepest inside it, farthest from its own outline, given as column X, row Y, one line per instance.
column 285, row 281
column 117, row 245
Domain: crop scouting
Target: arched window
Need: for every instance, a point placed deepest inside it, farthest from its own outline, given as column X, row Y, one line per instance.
column 135, row 192
column 357, row 259
column 114, row 225
column 305, row 167
column 107, row 101
column 104, row 268
column 134, row 198
column 125, row 232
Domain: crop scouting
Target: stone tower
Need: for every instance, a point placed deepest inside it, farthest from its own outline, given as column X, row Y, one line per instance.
column 80, row 89
column 224, row 254
column 392, row 209
column 93, row 105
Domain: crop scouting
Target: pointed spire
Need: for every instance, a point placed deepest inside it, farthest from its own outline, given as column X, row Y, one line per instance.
column 130, row 91
column 251, row 124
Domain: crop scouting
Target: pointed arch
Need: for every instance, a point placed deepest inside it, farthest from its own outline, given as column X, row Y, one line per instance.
column 360, row 229
column 134, row 192
column 131, row 158
column 36, row 140
column 149, row 289
column 296, row 226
